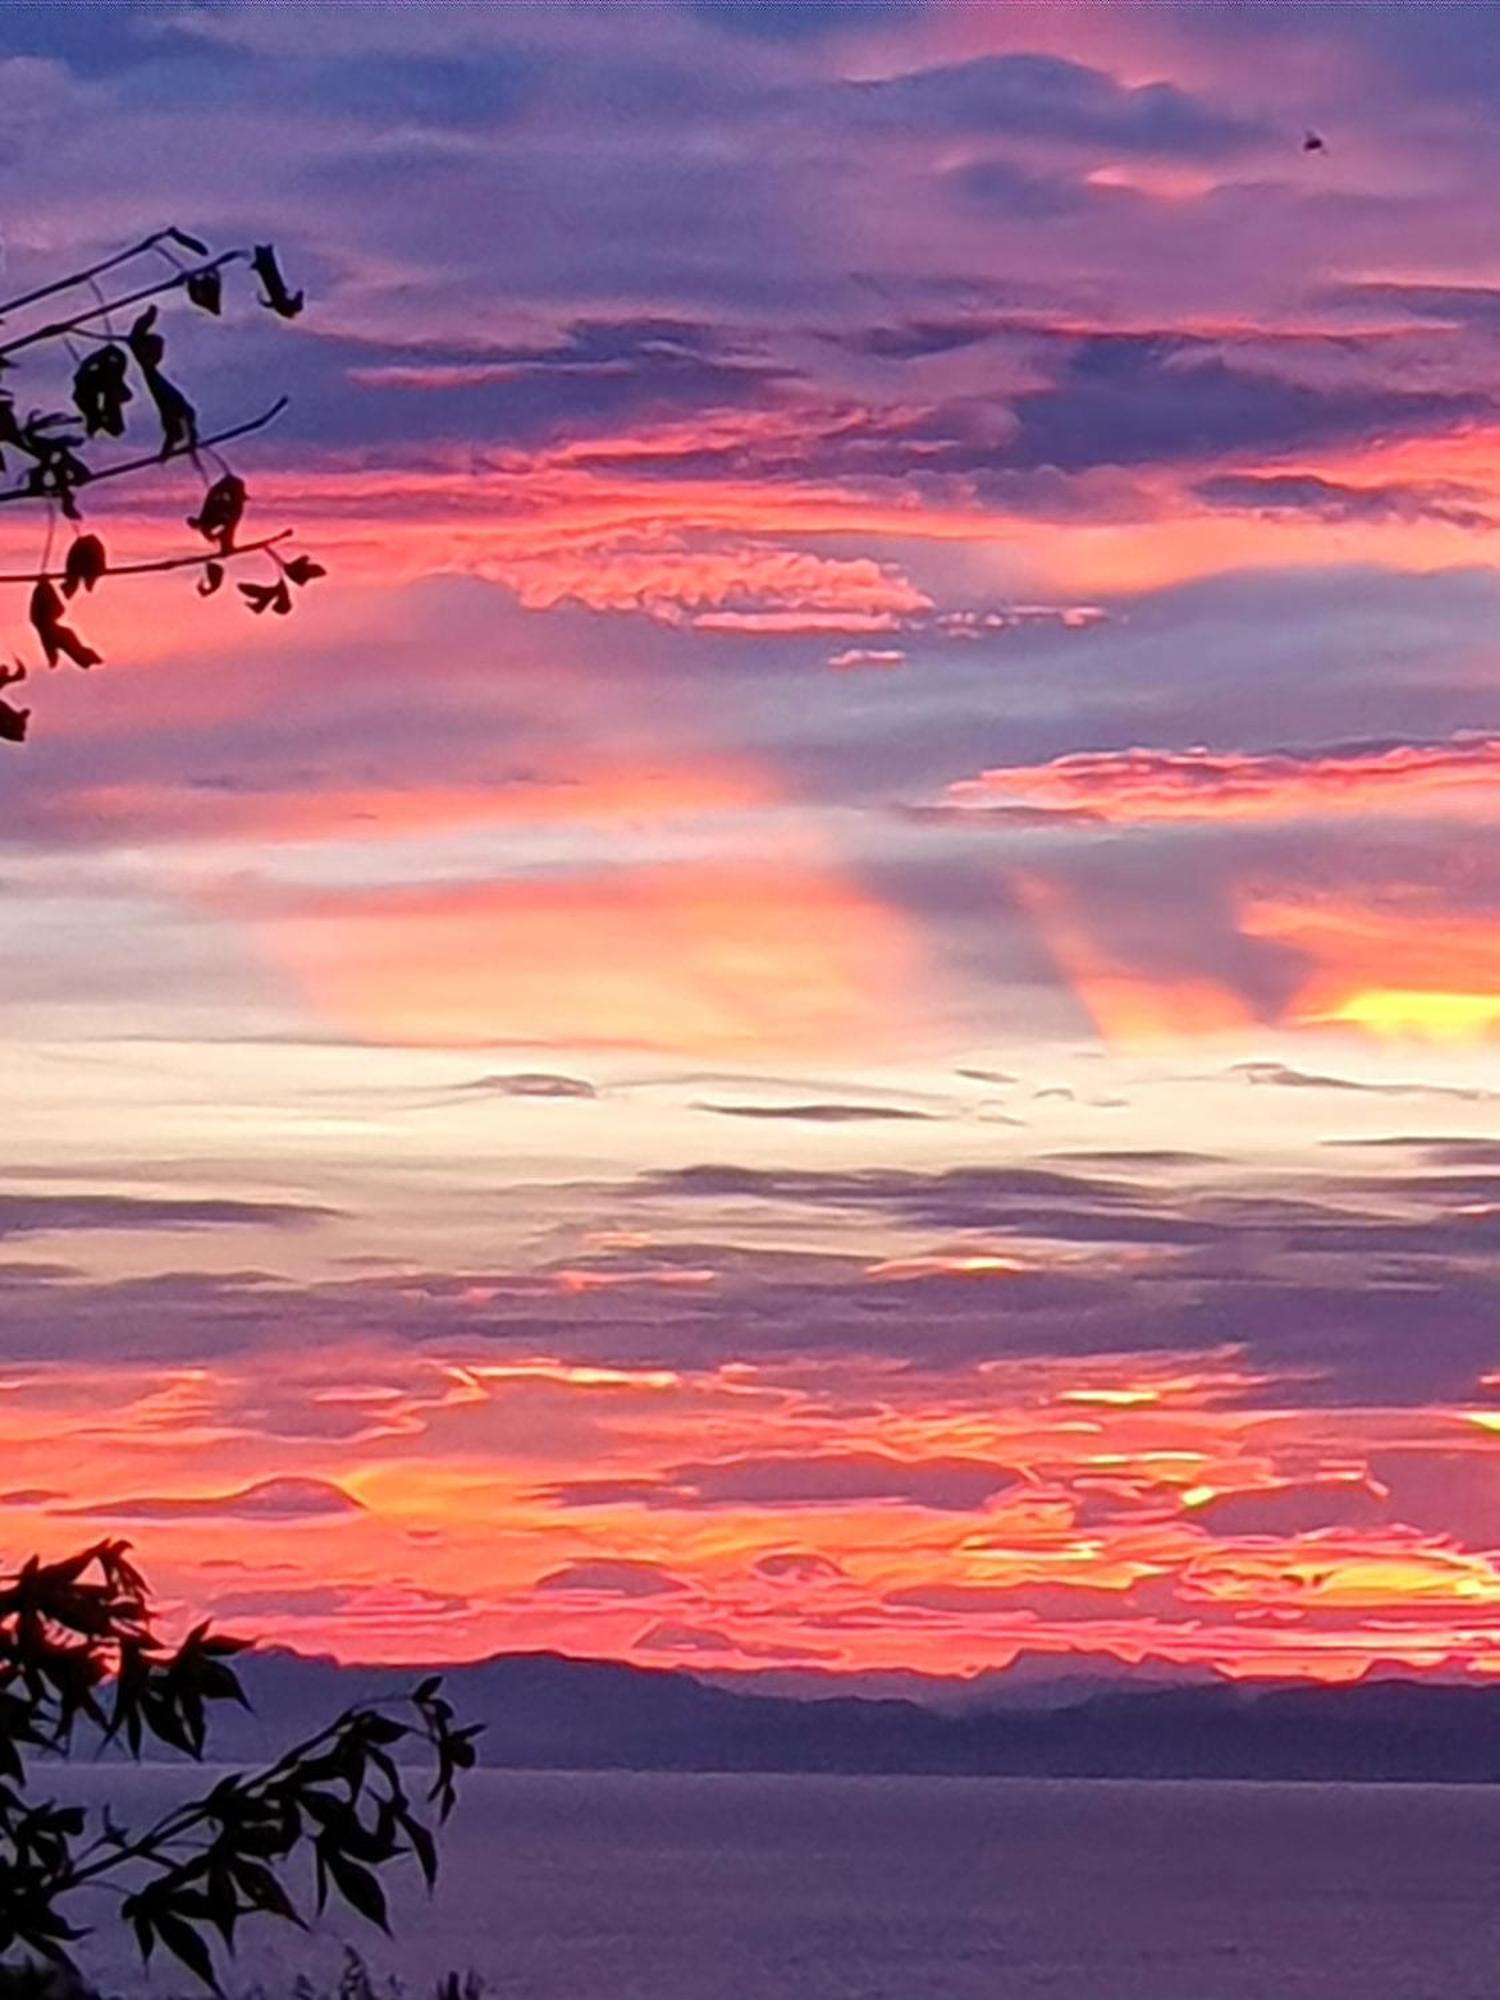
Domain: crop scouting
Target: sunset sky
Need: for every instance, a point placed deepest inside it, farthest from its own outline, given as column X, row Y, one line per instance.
column 836, row 1004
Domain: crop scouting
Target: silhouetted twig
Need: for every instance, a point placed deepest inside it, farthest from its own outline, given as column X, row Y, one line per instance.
column 46, row 452
column 15, row 494
column 159, row 565
column 90, row 272
column 105, row 308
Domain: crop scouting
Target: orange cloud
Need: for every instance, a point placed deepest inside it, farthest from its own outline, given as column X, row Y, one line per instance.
column 588, row 794
column 725, row 588
column 1145, row 787
column 1060, row 1525
column 867, row 656
column 612, row 538
column 735, row 534
column 1398, row 970
column 1130, row 1007
column 706, row 956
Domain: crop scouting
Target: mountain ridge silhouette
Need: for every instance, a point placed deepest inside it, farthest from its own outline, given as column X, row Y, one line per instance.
column 552, row 1711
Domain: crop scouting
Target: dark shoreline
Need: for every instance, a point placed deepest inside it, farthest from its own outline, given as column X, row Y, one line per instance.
column 544, row 1712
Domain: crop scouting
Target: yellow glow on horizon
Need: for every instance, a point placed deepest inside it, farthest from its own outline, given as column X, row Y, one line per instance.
column 1404, row 1014
column 574, row 1375
column 1118, row 1399
column 934, row 1267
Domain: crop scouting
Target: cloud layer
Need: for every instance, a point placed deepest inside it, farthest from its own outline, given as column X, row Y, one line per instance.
column 838, row 999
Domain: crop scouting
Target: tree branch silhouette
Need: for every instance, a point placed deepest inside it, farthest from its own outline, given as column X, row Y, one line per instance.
column 105, row 309
column 17, row 495
column 78, row 1650
column 156, row 241
column 196, row 559
column 49, row 457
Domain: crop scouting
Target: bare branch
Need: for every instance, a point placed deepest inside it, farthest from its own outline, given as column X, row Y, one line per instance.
column 15, row 494
column 56, row 329
column 184, row 1883
column 194, row 561
column 88, row 275
column 46, row 459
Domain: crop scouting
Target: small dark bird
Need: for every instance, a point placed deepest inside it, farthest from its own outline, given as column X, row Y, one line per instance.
column 1314, row 143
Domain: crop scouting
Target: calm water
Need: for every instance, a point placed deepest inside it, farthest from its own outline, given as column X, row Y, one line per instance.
column 563, row 1887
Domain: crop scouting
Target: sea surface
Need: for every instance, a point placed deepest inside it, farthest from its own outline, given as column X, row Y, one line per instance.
column 625, row 1887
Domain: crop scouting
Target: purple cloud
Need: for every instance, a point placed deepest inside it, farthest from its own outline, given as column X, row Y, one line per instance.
column 49, row 1214
column 613, row 1577
column 267, row 1500
column 948, row 1485
column 529, row 1083
column 1066, row 103
column 819, row 1114
column 797, row 1566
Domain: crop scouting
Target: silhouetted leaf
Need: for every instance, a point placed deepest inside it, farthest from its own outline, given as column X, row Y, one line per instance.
column 10, row 429
column 358, row 1887
column 302, row 569
column 212, row 577
column 424, row 1847
column 58, row 640
column 13, row 723
column 263, row 1892
column 221, row 512
column 184, row 1943
column 85, row 565
column 267, row 597
column 179, row 421
column 144, row 342
column 71, row 1625
column 224, row 1645
column 101, row 391
column 181, row 237
column 274, row 291
column 206, row 290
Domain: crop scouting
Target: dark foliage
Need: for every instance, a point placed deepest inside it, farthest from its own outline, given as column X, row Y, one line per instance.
column 85, row 565
column 101, row 390
column 274, row 291
column 179, row 420
column 59, row 641
column 222, row 510
column 47, row 455
column 79, row 1655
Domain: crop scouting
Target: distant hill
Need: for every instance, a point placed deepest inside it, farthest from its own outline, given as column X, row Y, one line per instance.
column 545, row 1711
column 1034, row 1680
